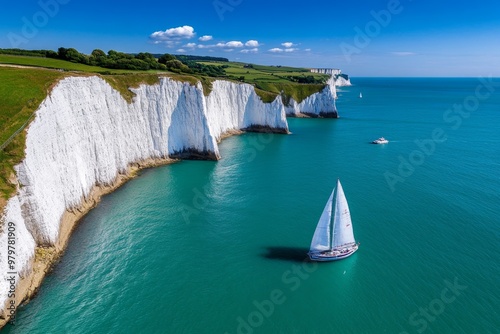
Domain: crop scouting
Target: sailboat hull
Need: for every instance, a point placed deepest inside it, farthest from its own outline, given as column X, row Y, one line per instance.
column 333, row 255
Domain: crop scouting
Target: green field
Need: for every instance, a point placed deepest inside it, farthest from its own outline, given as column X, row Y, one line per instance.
column 270, row 81
column 48, row 63
column 234, row 70
column 261, row 73
column 59, row 64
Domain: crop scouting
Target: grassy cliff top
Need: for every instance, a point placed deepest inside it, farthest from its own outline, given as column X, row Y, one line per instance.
column 26, row 81
column 22, row 90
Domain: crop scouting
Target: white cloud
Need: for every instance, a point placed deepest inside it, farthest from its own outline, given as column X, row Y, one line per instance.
column 308, row 50
column 287, row 48
column 403, row 53
column 181, row 50
column 169, row 44
column 229, row 50
column 254, row 50
column 173, row 34
column 229, row 46
column 234, row 44
column 190, row 45
column 252, row 43
column 205, row 38
column 210, row 46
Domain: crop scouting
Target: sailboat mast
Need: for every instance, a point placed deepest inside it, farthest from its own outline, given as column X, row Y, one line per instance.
column 334, row 209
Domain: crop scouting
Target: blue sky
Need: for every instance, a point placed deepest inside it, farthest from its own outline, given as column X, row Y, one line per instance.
column 363, row 38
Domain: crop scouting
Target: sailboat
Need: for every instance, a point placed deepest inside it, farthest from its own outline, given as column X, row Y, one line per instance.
column 360, row 95
column 330, row 244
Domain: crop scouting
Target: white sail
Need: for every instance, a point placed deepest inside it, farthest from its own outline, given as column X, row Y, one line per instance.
column 321, row 238
column 342, row 225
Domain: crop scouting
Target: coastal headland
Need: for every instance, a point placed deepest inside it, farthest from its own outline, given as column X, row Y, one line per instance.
column 72, row 135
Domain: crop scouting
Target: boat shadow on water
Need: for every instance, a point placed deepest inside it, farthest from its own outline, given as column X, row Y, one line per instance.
column 293, row 254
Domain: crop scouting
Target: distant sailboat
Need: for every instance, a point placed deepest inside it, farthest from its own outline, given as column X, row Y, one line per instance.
column 340, row 243
column 360, row 95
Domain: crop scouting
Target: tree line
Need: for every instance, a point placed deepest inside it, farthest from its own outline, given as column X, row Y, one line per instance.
column 119, row 60
column 30, row 53
column 306, row 79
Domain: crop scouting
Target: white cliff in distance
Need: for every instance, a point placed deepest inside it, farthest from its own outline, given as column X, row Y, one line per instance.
column 342, row 80
column 321, row 104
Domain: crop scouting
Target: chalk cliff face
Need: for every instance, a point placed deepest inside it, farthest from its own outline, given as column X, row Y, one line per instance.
column 85, row 133
column 321, row 104
column 342, row 80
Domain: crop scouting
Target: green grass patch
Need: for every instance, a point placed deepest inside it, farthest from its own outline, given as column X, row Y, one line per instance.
column 123, row 83
column 281, row 69
column 270, row 81
column 260, row 73
column 265, row 96
column 21, row 93
column 61, row 65
column 297, row 91
column 206, row 83
column 48, row 63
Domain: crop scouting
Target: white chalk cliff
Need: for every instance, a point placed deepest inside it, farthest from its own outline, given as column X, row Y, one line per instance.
column 85, row 134
column 321, row 104
column 342, row 80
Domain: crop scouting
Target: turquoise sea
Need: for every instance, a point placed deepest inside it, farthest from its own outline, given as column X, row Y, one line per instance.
column 220, row 247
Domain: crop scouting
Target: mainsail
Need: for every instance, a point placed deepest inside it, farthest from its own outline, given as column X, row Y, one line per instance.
column 342, row 226
column 321, row 238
